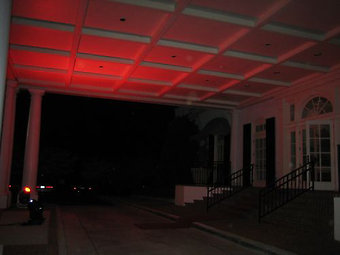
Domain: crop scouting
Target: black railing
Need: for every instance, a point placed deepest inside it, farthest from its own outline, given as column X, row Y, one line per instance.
column 210, row 173
column 232, row 184
column 286, row 189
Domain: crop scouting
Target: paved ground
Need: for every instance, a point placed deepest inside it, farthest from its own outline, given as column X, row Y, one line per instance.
column 125, row 230
column 243, row 230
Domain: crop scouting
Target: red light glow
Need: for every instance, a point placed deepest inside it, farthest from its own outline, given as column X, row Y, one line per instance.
column 27, row 189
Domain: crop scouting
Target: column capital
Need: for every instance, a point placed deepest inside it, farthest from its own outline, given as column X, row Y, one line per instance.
column 36, row 92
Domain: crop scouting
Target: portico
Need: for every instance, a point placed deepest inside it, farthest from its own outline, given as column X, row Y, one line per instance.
column 263, row 64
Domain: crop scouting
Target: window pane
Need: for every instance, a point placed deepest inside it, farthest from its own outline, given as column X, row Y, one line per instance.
column 326, row 174
column 314, row 131
column 324, row 131
column 325, row 145
column 326, row 159
column 314, row 145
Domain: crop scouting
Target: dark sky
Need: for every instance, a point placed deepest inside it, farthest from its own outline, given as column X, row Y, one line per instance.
column 92, row 127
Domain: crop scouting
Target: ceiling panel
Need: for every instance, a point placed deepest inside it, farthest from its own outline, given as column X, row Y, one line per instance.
column 252, row 8
column 208, row 81
column 110, row 47
column 29, row 58
column 315, row 15
column 201, row 31
column 252, row 87
column 151, row 73
column 94, row 80
column 267, row 43
column 141, row 87
column 63, row 11
column 176, row 56
column 41, row 37
column 284, row 73
column 232, row 65
column 123, row 18
column 323, row 54
column 100, row 67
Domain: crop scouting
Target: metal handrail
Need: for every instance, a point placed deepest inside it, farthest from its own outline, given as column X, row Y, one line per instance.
column 233, row 184
column 285, row 189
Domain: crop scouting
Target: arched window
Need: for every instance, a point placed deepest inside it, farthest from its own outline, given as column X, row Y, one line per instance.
column 317, row 106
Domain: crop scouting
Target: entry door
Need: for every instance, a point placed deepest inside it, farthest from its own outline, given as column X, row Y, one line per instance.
column 318, row 143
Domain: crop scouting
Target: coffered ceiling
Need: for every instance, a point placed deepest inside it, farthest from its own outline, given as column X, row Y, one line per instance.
column 213, row 53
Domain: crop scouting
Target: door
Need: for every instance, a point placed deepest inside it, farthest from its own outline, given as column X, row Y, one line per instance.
column 318, row 146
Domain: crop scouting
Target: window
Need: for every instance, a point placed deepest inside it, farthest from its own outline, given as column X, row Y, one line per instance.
column 317, row 106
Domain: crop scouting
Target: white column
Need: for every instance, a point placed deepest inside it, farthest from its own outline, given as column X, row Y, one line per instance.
column 31, row 160
column 5, row 17
column 7, row 143
column 236, row 141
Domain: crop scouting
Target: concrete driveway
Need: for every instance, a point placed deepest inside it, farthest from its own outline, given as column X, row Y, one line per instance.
column 120, row 229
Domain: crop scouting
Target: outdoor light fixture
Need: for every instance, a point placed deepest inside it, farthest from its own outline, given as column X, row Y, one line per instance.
column 24, row 196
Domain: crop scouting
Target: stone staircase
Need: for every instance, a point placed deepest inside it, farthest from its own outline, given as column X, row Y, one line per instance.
column 311, row 211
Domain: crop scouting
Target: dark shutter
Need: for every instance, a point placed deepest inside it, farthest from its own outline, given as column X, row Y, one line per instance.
column 246, row 152
column 270, row 150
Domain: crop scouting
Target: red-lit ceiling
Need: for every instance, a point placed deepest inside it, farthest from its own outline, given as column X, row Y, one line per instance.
column 215, row 53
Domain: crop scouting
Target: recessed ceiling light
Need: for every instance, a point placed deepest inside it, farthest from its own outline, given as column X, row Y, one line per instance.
column 267, row 44
column 122, row 19
column 276, row 72
column 317, row 54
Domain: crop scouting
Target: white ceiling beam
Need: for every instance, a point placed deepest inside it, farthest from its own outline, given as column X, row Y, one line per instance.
column 42, row 69
column 152, row 82
column 39, row 50
column 225, row 102
column 241, row 93
column 220, row 74
column 217, row 15
column 120, row 97
column 105, row 58
column 250, row 56
column 44, row 24
column 41, row 82
column 294, row 31
column 97, row 75
column 323, row 69
column 188, row 98
column 188, row 46
column 91, row 87
column 271, row 82
column 197, row 87
column 138, row 92
column 166, row 66
column 164, row 5
column 116, row 35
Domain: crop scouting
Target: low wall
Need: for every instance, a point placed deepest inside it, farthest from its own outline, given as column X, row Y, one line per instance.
column 187, row 194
